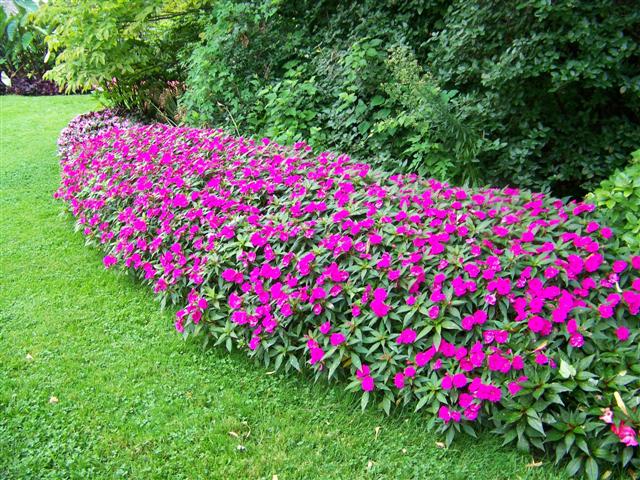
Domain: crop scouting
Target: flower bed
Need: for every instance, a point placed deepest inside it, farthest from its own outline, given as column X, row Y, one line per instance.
column 502, row 308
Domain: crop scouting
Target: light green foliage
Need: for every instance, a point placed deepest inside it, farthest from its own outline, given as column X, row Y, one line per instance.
column 126, row 48
column 619, row 199
column 135, row 401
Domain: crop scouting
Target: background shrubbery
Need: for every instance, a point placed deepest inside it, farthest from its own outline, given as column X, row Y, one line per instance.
column 23, row 52
column 126, row 49
column 536, row 94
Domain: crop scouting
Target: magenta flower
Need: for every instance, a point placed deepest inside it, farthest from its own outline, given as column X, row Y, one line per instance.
column 254, row 342
column 337, row 339
column 407, row 336
column 398, row 380
column 109, row 261
column 368, row 384
column 325, row 328
column 622, row 333
column 317, row 354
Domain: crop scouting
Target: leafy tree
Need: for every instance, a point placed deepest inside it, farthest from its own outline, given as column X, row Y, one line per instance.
column 128, row 49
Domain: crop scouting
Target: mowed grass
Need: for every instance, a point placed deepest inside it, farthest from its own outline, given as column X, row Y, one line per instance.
column 134, row 399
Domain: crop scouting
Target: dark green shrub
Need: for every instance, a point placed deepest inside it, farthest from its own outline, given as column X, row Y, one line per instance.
column 543, row 95
column 557, row 84
column 340, row 75
column 23, row 52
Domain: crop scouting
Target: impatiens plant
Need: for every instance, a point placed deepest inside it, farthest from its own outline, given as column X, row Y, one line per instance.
column 479, row 307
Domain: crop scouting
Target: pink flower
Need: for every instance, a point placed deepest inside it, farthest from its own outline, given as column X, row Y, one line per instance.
column 434, row 312
column 109, row 261
column 407, row 336
column 607, row 415
column 367, row 384
column 606, row 311
column 622, row 333
column 363, row 372
column 254, row 342
column 398, row 380
column 325, row 328
column 337, row 339
column 380, row 308
column 593, row 262
column 459, row 380
column 425, row 357
column 514, row 388
column 576, row 340
column 317, row 354
column 619, row 266
column 444, row 413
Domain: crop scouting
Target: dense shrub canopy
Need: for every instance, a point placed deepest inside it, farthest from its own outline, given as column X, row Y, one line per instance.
column 535, row 94
column 503, row 308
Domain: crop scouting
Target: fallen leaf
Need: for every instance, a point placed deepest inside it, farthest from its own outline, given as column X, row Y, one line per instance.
column 369, row 465
column 404, row 450
column 620, row 403
column 274, row 477
column 378, row 431
column 28, row 358
column 440, row 445
column 234, row 434
column 53, row 400
column 534, row 464
column 241, row 448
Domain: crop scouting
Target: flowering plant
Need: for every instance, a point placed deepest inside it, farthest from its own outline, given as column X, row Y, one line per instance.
column 503, row 308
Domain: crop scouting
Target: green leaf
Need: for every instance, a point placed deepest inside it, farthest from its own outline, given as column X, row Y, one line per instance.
column 364, row 400
column 377, row 100
column 573, row 466
column 294, row 362
column 566, row 370
column 591, row 469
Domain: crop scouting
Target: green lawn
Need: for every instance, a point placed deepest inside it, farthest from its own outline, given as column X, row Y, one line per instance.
column 135, row 400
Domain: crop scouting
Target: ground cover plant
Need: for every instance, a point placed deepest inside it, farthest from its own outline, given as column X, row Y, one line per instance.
column 134, row 400
column 499, row 308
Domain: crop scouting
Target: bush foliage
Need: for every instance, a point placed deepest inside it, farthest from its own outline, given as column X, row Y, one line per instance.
column 127, row 50
column 477, row 306
column 619, row 200
column 23, row 52
column 531, row 93
column 535, row 94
